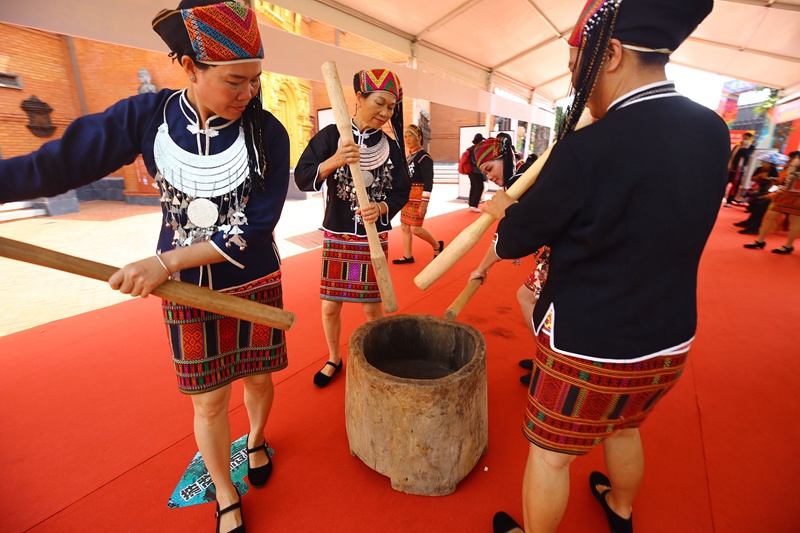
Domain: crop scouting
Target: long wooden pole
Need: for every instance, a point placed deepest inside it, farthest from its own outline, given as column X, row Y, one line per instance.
column 339, row 106
column 458, row 304
column 470, row 236
column 174, row 291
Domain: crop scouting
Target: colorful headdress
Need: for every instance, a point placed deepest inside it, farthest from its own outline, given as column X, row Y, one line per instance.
column 592, row 7
column 641, row 25
column 416, row 131
column 214, row 34
column 380, row 79
column 488, row 150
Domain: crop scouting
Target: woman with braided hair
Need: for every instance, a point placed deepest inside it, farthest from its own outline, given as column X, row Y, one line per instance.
column 222, row 165
column 347, row 271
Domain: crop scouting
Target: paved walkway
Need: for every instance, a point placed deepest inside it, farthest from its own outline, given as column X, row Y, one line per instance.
column 116, row 233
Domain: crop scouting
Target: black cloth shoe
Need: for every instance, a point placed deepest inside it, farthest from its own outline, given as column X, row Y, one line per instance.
column 403, row 261
column 321, row 380
column 441, row 247
column 756, row 244
column 526, row 379
column 259, row 475
column 742, row 224
column 233, row 507
column 746, row 231
column 527, row 364
column 783, row 250
column 615, row 521
column 503, row 523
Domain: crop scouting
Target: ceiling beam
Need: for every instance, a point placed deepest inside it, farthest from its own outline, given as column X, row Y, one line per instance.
column 526, row 52
column 718, row 44
column 448, row 17
column 544, row 18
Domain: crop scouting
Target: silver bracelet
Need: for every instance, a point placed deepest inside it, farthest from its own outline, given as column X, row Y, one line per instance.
column 169, row 274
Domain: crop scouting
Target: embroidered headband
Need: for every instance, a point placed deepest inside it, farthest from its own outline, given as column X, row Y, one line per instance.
column 215, row 34
column 380, row 79
column 489, row 150
column 415, row 130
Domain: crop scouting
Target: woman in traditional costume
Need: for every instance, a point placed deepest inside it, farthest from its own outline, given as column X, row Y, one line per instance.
column 494, row 157
column 785, row 203
column 222, row 165
column 420, row 168
column 347, row 272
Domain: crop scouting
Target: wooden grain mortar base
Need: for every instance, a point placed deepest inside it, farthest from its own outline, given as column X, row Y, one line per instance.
column 415, row 401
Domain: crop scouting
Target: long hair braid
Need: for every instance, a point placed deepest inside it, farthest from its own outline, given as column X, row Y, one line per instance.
column 257, row 155
column 591, row 55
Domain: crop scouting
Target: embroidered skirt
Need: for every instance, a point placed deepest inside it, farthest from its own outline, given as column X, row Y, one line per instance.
column 537, row 278
column 787, row 202
column 347, row 272
column 573, row 404
column 411, row 211
column 211, row 350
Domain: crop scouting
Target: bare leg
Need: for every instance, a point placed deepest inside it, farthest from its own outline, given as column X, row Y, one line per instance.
column 625, row 463
column 373, row 310
column 794, row 230
column 770, row 219
column 212, row 431
column 426, row 236
column 407, row 244
column 545, row 489
column 258, row 395
column 527, row 301
column 332, row 325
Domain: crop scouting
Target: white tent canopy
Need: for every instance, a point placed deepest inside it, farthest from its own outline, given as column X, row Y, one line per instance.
column 523, row 42
column 462, row 49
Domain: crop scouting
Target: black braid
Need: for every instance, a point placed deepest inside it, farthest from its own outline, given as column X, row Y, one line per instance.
column 257, row 155
column 590, row 60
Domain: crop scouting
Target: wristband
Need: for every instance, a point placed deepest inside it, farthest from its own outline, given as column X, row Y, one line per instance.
column 161, row 261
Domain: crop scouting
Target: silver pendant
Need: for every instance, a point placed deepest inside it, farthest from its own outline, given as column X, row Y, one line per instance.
column 202, row 213
column 368, row 178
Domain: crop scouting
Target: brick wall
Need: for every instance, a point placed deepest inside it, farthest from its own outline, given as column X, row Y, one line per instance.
column 446, row 122
column 110, row 73
column 40, row 60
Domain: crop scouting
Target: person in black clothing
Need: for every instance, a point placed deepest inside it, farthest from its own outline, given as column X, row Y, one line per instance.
column 476, row 178
column 617, row 316
column 420, row 168
column 738, row 162
column 758, row 198
column 347, row 271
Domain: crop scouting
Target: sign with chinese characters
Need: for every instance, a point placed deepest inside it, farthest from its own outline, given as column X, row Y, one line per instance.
column 195, row 486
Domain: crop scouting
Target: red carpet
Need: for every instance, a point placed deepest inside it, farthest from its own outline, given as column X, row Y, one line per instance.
column 96, row 435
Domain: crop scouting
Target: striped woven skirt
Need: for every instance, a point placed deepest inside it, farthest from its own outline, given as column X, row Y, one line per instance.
column 411, row 211
column 573, row 403
column 347, row 272
column 211, row 350
column 787, row 202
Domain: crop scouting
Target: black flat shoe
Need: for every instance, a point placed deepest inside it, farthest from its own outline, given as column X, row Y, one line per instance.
column 749, row 231
column 526, row 379
column 403, row 261
column 259, row 475
column 441, row 247
column 742, row 224
column 615, row 521
column 756, row 244
column 527, row 364
column 233, row 507
column 321, row 380
column 783, row 250
column 503, row 523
